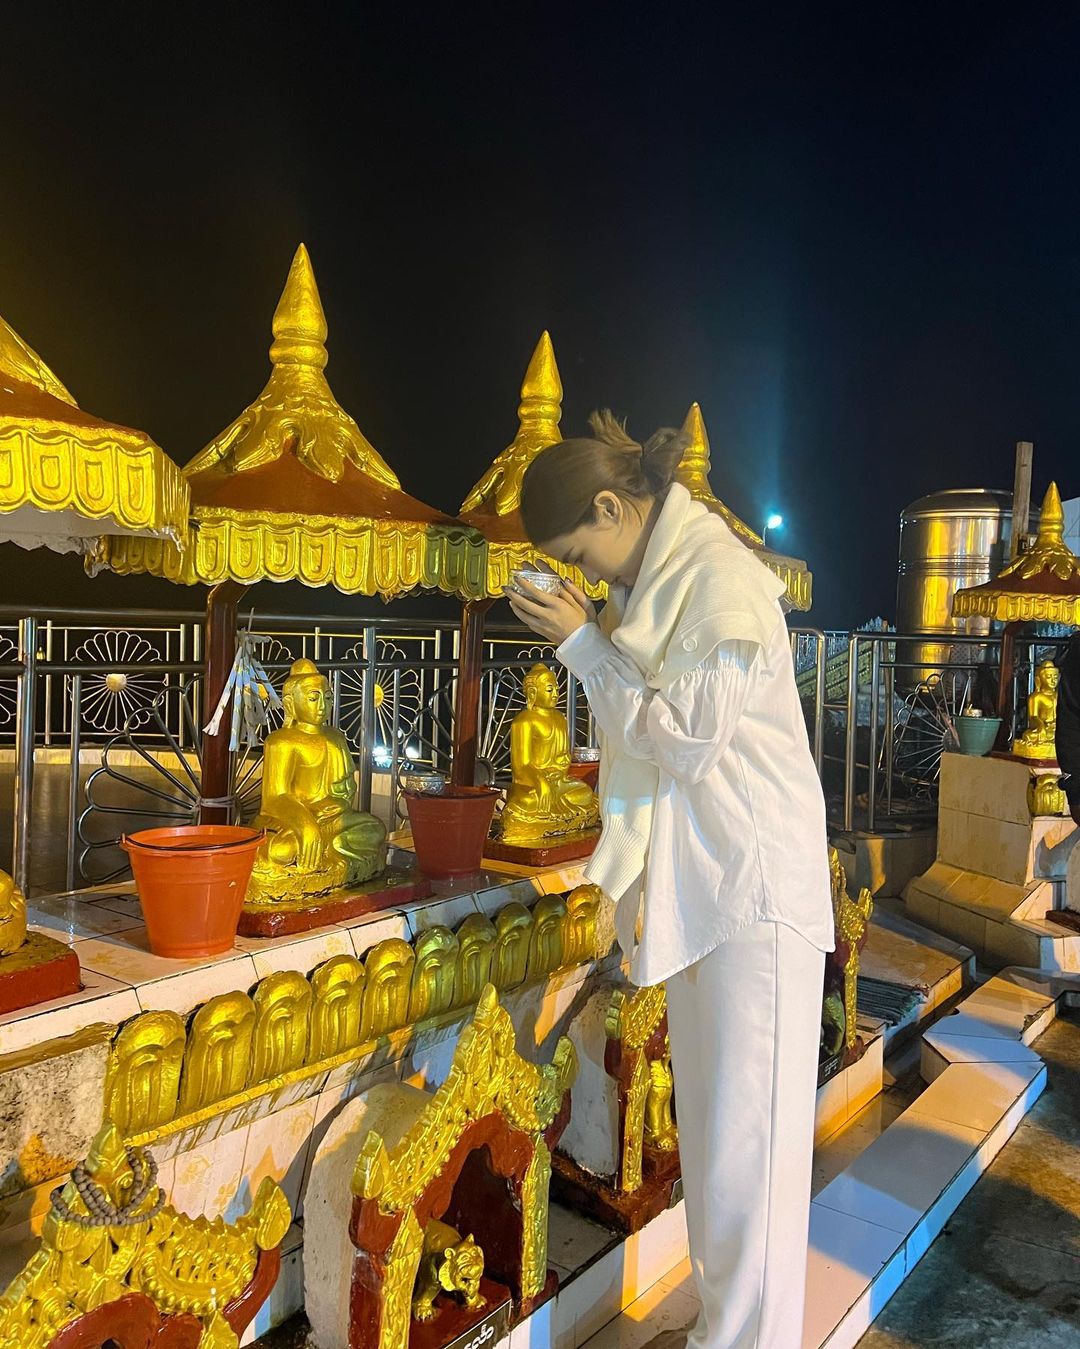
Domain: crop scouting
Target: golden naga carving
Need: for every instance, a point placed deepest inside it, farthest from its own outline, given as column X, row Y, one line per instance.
column 476, row 951
column 487, row 1076
column 513, row 940
column 110, row 1234
column 434, row 974
column 549, row 926
column 1037, row 742
column 534, row 1207
column 1039, row 586
column 447, row 1265
column 316, row 842
column 143, row 1084
column 660, row 1130
column 337, row 1007
column 12, row 916
column 239, row 1046
column 544, row 801
column 851, row 918
column 218, row 1058
column 282, row 1016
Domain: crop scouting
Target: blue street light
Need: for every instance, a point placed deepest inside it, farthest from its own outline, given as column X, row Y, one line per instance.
column 772, row 521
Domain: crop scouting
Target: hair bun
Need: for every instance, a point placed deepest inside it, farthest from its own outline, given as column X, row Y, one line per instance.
column 661, row 455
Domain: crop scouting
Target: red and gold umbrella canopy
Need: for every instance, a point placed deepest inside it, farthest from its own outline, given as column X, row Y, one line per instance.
column 1039, row 586
column 292, row 490
column 66, row 477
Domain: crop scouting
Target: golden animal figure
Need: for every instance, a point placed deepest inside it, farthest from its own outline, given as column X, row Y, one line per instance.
column 544, row 801
column 660, row 1130
column 12, row 916
column 316, row 841
column 1045, row 795
column 448, row 1265
column 84, row 1260
column 851, row 918
column 1037, row 742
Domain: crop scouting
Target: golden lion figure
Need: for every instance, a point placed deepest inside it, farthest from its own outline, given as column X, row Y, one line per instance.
column 447, row 1265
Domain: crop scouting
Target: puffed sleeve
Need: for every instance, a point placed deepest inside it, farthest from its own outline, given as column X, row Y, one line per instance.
column 684, row 730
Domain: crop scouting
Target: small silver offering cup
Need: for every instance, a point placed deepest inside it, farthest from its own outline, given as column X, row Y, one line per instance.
column 424, row 784
column 546, row 581
column 586, row 754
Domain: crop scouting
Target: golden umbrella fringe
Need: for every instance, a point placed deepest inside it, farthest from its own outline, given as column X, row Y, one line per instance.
column 1039, row 586
column 58, row 462
column 292, row 490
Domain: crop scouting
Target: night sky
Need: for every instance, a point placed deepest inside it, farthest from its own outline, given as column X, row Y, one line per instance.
column 853, row 235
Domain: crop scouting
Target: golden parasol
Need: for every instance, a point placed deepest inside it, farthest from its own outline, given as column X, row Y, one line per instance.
column 293, row 491
column 1039, row 586
column 67, row 477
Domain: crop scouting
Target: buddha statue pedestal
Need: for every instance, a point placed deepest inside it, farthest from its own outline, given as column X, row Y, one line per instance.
column 618, row 1160
column 551, row 815
column 322, row 860
column 33, row 968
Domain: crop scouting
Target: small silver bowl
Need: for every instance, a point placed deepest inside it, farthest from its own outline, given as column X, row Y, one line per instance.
column 424, row 784
column 542, row 580
column 586, row 754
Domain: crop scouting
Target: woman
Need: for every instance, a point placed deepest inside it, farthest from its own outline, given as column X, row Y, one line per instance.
column 713, row 847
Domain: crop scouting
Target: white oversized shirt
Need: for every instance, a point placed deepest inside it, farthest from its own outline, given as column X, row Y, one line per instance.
column 738, row 826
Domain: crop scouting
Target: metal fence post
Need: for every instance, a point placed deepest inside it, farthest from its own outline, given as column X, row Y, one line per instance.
column 875, row 673
column 73, row 780
column 851, row 735
column 367, row 719
column 25, row 712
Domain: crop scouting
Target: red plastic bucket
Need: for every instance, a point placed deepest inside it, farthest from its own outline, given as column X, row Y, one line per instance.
column 449, row 830
column 192, row 880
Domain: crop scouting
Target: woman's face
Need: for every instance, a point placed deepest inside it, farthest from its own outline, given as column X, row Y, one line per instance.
column 610, row 547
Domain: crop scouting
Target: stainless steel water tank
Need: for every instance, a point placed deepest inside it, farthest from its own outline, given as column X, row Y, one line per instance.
column 948, row 540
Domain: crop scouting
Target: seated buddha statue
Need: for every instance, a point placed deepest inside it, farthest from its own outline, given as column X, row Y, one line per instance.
column 12, row 916
column 315, row 840
column 1037, row 742
column 544, row 801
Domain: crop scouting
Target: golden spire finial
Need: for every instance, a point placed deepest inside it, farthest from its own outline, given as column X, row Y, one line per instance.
column 21, row 362
column 693, row 473
column 542, row 391
column 538, row 427
column 299, row 322
column 1051, row 517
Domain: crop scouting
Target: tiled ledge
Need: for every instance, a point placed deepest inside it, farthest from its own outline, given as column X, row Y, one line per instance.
column 122, row 977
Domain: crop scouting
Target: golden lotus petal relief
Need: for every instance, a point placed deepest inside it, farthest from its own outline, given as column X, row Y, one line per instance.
column 487, row 1075
column 182, row 1264
column 237, row 1045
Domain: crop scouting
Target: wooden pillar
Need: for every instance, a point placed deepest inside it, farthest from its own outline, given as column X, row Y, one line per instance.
column 1005, row 683
column 1021, row 507
column 470, row 672
column 220, row 645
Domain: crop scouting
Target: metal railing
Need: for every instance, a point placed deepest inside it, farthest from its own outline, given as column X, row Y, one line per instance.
column 78, row 680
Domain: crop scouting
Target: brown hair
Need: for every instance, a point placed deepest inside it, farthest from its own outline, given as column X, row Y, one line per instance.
column 563, row 481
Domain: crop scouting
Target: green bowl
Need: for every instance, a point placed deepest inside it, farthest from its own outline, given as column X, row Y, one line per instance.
column 977, row 734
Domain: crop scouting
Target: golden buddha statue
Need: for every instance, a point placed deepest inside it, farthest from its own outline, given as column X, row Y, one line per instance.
column 315, row 840
column 544, row 801
column 1037, row 742
column 12, row 916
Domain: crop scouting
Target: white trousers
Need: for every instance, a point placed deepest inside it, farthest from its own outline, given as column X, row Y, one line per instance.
column 745, row 1025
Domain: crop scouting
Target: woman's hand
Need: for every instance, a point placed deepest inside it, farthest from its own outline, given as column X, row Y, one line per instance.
column 554, row 617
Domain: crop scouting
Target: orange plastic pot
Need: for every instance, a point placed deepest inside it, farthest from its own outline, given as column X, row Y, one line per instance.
column 449, row 830
column 192, row 880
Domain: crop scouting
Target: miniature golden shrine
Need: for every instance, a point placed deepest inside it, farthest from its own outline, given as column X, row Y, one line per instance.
column 550, row 816
column 472, row 1158
column 117, row 1265
column 638, row 1060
